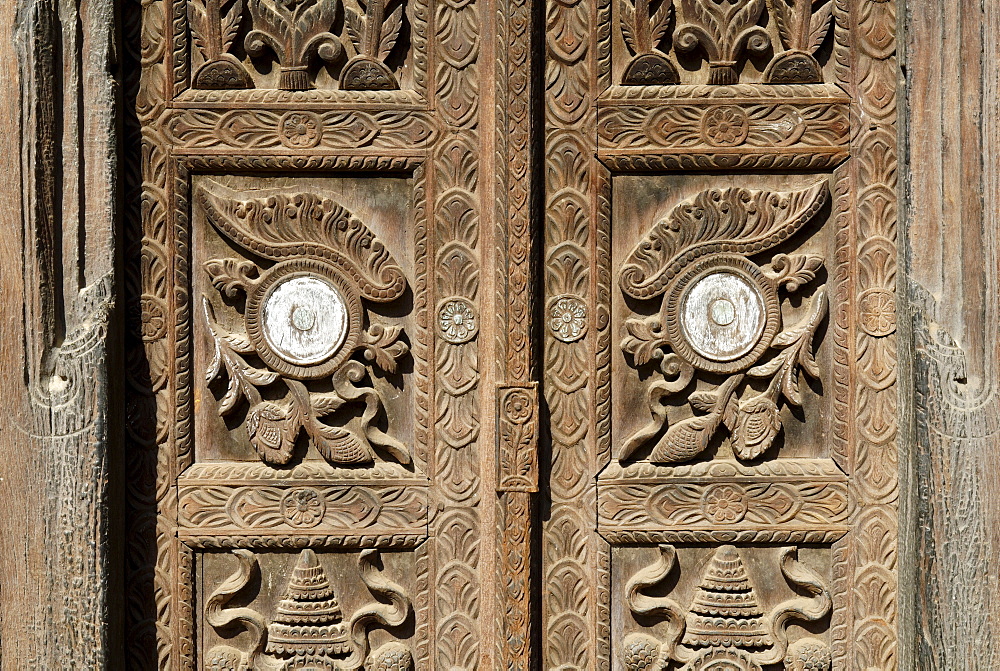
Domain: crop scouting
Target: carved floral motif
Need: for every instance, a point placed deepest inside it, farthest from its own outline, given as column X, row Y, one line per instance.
column 303, row 318
column 803, row 26
column 721, row 314
column 724, row 29
column 568, row 318
column 295, row 32
column 214, row 26
column 643, row 30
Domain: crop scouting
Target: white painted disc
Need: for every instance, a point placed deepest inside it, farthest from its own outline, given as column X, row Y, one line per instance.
column 722, row 316
column 304, row 320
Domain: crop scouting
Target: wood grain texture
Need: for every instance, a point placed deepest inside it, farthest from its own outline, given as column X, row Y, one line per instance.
column 57, row 431
column 949, row 593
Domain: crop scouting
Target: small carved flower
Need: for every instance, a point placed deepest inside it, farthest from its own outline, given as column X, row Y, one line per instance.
column 878, row 312
column 725, row 126
column 300, row 130
column 725, row 504
column 808, row 654
column 518, row 406
column 391, row 657
column 303, row 507
column 757, row 424
column 148, row 318
column 270, row 432
column 568, row 318
column 640, row 653
column 457, row 320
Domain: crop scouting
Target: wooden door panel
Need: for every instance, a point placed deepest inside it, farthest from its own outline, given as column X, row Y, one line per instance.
column 719, row 259
column 318, row 291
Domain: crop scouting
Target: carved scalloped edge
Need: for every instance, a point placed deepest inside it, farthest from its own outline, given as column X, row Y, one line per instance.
column 776, row 536
column 401, row 541
column 341, row 161
column 215, row 472
column 325, row 97
column 711, row 158
column 695, row 94
column 779, row 468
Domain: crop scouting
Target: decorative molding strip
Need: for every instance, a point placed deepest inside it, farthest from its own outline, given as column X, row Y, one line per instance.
column 297, row 130
column 284, row 541
column 716, row 536
column 517, row 438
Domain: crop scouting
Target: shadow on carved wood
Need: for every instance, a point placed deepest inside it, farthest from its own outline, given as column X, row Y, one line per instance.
column 726, row 625
column 308, row 629
column 303, row 320
column 721, row 314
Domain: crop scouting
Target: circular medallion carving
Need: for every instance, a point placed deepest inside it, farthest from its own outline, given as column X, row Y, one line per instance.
column 303, row 507
column 724, row 504
column 725, row 126
column 300, row 130
column 877, row 312
column 723, row 659
column 568, row 318
column 721, row 313
column 457, row 321
column 303, row 318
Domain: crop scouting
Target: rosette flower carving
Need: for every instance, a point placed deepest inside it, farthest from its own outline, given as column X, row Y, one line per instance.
column 303, row 319
column 721, row 314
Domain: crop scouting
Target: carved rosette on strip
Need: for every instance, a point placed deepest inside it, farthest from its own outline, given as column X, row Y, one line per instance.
column 720, row 318
column 308, row 347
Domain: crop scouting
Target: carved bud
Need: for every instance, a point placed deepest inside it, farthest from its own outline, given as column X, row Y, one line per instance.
column 391, row 657
column 270, row 432
column 757, row 424
column 808, row 654
column 641, row 653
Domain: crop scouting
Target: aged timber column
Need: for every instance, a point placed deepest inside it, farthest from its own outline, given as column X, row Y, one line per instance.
column 57, row 309
column 952, row 226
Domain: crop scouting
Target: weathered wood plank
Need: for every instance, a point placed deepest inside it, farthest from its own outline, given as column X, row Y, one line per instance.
column 57, row 262
column 949, row 594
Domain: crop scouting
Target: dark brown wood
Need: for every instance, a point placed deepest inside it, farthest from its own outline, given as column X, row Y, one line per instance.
column 58, row 605
column 949, row 593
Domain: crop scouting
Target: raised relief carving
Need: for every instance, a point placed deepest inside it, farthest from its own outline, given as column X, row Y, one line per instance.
column 304, row 320
column 721, row 314
column 296, row 34
column 308, row 629
column 373, row 36
column 802, row 26
column 643, row 30
column 726, row 625
column 214, row 26
column 724, row 30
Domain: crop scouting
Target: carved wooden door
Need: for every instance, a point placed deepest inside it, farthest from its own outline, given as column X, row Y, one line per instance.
column 719, row 350
column 339, row 333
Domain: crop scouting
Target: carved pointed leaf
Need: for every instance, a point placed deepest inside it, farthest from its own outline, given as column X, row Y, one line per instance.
column 231, row 24
column 644, row 340
column 782, row 15
column 355, row 25
column 628, row 25
column 231, row 275
column 339, row 445
column 819, row 25
column 660, row 21
column 757, row 425
column 383, row 346
column 198, row 17
column 794, row 271
column 286, row 224
column 324, row 404
column 390, row 32
column 734, row 220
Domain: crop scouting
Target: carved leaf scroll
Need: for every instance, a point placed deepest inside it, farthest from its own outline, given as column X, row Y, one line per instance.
column 736, row 220
column 373, row 36
column 287, row 225
column 344, row 259
column 703, row 246
column 643, row 30
column 214, row 26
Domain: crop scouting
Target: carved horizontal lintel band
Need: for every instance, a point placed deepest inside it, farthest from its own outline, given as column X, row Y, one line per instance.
column 224, row 541
column 517, row 438
column 725, row 497
column 777, row 536
column 691, row 127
